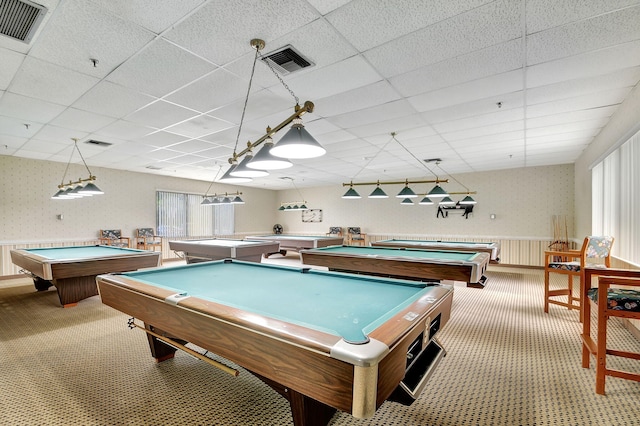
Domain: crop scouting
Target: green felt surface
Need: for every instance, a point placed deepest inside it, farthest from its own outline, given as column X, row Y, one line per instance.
column 340, row 304
column 397, row 252
column 78, row 252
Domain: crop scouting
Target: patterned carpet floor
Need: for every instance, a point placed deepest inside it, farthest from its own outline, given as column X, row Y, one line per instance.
column 507, row 363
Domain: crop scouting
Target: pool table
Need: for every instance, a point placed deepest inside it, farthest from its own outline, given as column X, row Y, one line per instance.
column 218, row 248
column 492, row 248
column 297, row 242
column 73, row 270
column 321, row 339
column 403, row 263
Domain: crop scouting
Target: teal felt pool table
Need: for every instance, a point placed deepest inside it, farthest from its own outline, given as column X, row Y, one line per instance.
column 493, row 248
column 72, row 270
column 195, row 251
column 402, row 263
column 297, row 242
column 323, row 340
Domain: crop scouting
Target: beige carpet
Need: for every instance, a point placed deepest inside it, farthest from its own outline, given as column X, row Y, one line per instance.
column 508, row 363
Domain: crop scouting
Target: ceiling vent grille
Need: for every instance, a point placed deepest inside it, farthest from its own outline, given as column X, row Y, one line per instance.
column 287, row 60
column 99, row 143
column 19, row 19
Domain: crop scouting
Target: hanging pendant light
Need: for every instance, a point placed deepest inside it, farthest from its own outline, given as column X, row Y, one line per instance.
column 298, row 143
column 378, row 192
column 264, row 160
column 242, row 171
column 437, row 192
column 468, row 200
column 446, row 201
column 228, row 178
column 426, row 201
column 351, row 193
column 406, row 191
column 407, row 202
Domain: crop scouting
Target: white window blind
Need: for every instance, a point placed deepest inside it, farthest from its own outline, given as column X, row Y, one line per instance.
column 616, row 199
column 182, row 215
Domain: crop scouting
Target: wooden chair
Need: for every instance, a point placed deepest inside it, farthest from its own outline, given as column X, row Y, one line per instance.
column 335, row 231
column 356, row 237
column 609, row 302
column 147, row 240
column 113, row 237
column 572, row 263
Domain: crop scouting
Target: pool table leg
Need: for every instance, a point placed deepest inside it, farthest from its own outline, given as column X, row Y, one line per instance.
column 160, row 350
column 72, row 290
column 305, row 411
column 41, row 284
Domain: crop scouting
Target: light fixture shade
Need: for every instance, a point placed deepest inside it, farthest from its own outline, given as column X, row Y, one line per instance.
column 59, row 195
column 468, row 200
column 351, row 194
column 242, row 171
column 76, row 191
column 90, row 189
column 264, row 160
column 237, row 200
column 297, row 143
column 205, row 202
column 303, row 207
column 227, row 178
column 406, row 193
column 281, row 208
column 437, row 192
column 407, row 202
column 447, row 201
column 378, row 193
column 68, row 193
column 226, row 200
column 426, row 201
column 215, row 200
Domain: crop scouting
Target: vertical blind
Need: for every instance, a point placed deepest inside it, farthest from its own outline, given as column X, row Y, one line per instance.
column 182, row 215
column 616, row 199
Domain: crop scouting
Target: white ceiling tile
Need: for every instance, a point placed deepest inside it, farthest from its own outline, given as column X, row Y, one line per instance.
column 590, row 125
column 382, row 126
column 367, row 96
column 160, row 139
column 81, row 120
column 11, row 62
column 81, row 31
column 247, row 19
column 475, row 108
column 460, row 69
column 366, row 25
column 349, row 74
column 59, row 134
column 49, row 147
column 29, row 109
column 585, row 65
column 111, row 99
column 592, row 100
column 49, row 82
column 155, row 15
column 479, row 89
column 371, row 115
column 571, row 116
column 213, row 91
column 544, row 14
column 9, row 144
column 494, row 23
column 500, row 116
column 16, row 127
column 477, row 132
column 198, row 126
column 572, row 88
column 161, row 114
column 583, row 36
column 126, row 130
column 160, row 68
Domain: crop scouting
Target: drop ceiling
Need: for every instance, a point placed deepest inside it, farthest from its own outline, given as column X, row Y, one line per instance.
column 483, row 85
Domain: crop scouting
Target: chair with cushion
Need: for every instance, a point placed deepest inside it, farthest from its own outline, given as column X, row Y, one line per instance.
column 146, row 239
column 608, row 300
column 335, row 231
column 595, row 252
column 113, row 237
column 355, row 236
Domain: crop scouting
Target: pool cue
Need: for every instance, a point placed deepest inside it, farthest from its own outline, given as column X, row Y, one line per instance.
column 191, row 352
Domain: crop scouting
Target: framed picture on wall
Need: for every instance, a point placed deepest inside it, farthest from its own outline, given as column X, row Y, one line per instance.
column 312, row 215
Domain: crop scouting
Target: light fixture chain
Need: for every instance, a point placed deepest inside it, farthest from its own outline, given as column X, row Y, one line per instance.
column 416, row 158
column 75, row 145
column 68, row 163
column 268, row 62
column 246, row 100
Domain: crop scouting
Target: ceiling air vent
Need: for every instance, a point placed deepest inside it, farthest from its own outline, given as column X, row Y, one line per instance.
column 287, row 60
column 99, row 143
column 19, row 19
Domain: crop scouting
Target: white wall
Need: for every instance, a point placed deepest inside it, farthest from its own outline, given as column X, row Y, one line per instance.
column 523, row 200
column 29, row 214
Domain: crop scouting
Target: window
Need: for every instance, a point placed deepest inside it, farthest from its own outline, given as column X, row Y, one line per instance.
column 182, row 215
column 615, row 183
